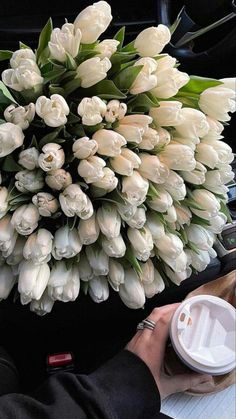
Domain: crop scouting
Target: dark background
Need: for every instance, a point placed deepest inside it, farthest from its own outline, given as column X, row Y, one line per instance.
column 94, row 332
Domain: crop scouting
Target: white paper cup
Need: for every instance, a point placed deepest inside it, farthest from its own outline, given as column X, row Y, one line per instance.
column 203, row 334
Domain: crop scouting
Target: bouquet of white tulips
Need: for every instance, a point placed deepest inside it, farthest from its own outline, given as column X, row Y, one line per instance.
column 113, row 168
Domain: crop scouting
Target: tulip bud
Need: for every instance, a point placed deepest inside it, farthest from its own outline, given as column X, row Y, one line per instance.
column 42, row 306
column 107, row 48
column 98, row 289
column 52, row 157
column 74, row 201
column 132, row 127
column 29, row 180
column 64, row 285
column 29, row 158
column 25, row 219
column 155, row 226
column 83, row 148
column 206, row 154
column 114, row 247
column 169, row 79
column 135, row 188
column 98, row 260
column 152, row 169
column 217, row 101
column 200, row 236
column 145, row 79
column 169, row 113
column 141, row 241
column 66, row 243
column 38, row 247
column 88, row 230
column 194, row 124
column 21, row 55
column 178, row 157
column 217, row 223
column 125, row 162
column 107, row 183
column 207, row 200
column 164, row 136
column 162, row 202
column 53, row 111
column 155, row 287
column 190, row 142
column 116, row 275
column 184, row 214
column 3, row 201
column 126, row 210
column 46, row 203
column 224, row 152
column 109, row 142
column 64, row 41
column 138, row 220
column 178, row 264
column 174, row 184
column 200, row 260
column 20, row 115
column 109, row 220
column 16, row 255
column 93, row 21
column 92, row 71
column 33, row 280
column 170, row 216
column 170, row 245
column 151, row 41
column 150, row 140
column 178, row 277
column 7, row 280
column 91, row 169
column 147, row 276
column 92, row 110
column 214, row 182
column 8, row 236
column 215, row 130
column 85, row 270
column 196, row 176
column 132, row 292
column 58, row 179
column 115, row 111
column 24, row 77
column 11, row 137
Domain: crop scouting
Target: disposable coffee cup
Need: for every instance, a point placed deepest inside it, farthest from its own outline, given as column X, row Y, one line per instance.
column 203, row 334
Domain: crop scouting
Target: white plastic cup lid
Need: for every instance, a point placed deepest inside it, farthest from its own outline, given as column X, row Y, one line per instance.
column 203, row 334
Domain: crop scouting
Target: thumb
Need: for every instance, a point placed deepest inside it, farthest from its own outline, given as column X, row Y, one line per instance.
column 183, row 382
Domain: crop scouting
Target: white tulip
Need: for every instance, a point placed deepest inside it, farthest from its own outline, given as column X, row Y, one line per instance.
column 178, row 277
column 64, row 41
column 38, row 247
column 193, row 125
column 83, row 148
column 29, row 158
column 64, row 285
column 58, row 179
column 169, row 244
column 155, row 287
column 141, row 242
column 126, row 162
column 114, row 247
column 178, row 157
column 85, row 270
column 53, row 111
column 206, row 154
column 169, row 79
column 20, row 115
column 24, row 77
column 109, row 142
column 52, row 157
column 162, row 202
column 196, row 176
column 132, row 127
column 217, row 102
column 174, row 184
column 200, row 236
column 151, row 41
column 184, row 214
column 29, row 180
column 190, row 142
column 200, row 260
column 152, row 169
column 126, row 210
column 178, row 264
column 46, row 203
column 92, row 110
column 155, row 226
column 132, row 291
column 75, row 202
column 42, row 306
column 21, row 55
column 32, row 281
column 217, row 223
column 25, row 219
column 115, row 110
column 91, row 169
column 116, row 275
column 107, row 48
column 164, row 136
column 229, row 82
column 16, row 255
column 107, row 183
column 98, row 289
column 92, row 71
column 207, row 200
column 215, row 130
column 3, row 201
column 214, row 183
column 138, row 220
column 98, row 260
column 7, row 281
column 135, row 188
column 66, row 243
column 147, row 275
column 109, row 220
column 11, row 137
column 169, row 113
column 150, row 139
column 8, row 236
column 93, row 21
column 171, row 215
column 224, row 152
column 145, row 79
column 139, row 120
column 88, row 230
column 226, row 173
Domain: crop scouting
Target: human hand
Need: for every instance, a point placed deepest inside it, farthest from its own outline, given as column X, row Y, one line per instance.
column 149, row 345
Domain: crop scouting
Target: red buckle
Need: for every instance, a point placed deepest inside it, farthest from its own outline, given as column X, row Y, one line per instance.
column 59, row 360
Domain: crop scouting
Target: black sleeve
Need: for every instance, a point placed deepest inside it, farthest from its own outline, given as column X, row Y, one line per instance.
column 123, row 388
